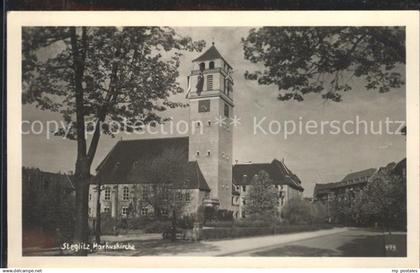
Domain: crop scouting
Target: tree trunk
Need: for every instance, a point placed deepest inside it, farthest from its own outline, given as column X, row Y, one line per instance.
column 82, row 175
column 98, row 215
column 82, row 172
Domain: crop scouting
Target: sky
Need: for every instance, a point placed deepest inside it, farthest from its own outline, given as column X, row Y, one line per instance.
column 319, row 158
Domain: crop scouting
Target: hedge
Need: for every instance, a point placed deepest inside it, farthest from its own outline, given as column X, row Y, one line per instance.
column 237, row 232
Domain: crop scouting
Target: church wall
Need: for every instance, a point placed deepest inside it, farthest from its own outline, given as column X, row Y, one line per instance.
column 117, row 201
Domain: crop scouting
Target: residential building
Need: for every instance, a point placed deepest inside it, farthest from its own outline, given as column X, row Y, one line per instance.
column 285, row 182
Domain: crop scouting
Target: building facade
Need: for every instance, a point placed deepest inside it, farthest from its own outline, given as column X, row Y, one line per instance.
column 286, row 183
column 344, row 192
column 120, row 187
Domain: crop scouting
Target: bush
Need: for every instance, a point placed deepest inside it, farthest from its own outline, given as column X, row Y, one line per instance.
column 157, row 226
column 186, row 221
column 297, row 211
column 224, row 215
column 257, row 220
column 220, row 224
column 108, row 224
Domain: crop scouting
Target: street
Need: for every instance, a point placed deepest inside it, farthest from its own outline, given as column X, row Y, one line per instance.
column 339, row 242
column 336, row 242
column 351, row 243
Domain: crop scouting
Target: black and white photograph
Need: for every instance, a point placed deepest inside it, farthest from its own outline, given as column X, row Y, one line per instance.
column 232, row 141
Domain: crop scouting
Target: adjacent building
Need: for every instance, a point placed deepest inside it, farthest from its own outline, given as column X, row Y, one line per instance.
column 346, row 190
column 285, row 182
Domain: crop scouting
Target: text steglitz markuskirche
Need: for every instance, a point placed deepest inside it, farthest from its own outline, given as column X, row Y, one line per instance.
column 76, row 247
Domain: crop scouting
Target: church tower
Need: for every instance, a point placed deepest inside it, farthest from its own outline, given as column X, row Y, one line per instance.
column 211, row 110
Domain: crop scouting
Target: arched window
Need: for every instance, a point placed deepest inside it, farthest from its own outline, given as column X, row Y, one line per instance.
column 202, row 66
column 126, row 193
column 211, row 65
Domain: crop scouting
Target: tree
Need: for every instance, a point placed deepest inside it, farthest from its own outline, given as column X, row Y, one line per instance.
column 262, row 197
column 303, row 60
column 94, row 76
column 384, row 201
column 297, row 211
column 165, row 175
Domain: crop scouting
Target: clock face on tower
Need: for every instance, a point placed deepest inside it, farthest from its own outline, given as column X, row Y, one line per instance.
column 203, row 106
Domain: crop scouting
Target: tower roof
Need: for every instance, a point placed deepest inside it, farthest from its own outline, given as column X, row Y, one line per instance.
column 211, row 54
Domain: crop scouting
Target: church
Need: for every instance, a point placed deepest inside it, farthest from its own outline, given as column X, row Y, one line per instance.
column 208, row 176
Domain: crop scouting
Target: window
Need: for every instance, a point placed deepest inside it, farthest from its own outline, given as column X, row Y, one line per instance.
column 243, row 188
column 164, row 212
column 203, row 106
column 107, row 193
column 209, row 123
column 226, row 110
column 202, row 66
column 197, row 153
column 210, row 82
column 90, row 196
column 124, row 211
column 208, row 153
column 126, row 193
column 211, row 65
column 46, row 184
column 145, row 194
column 178, row 196
column 243, row 202
column 106, row 210
column 198, row 124
column 144, row 211
column 187, row 196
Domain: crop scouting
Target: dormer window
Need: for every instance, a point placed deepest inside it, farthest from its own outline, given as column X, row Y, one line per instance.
column 202, row 66
column 211, row 65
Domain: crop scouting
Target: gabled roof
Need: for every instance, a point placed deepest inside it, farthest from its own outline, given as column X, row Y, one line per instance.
column 194, row 178
column 211, row 54
column 31, row 175
column 359, row 174
column 325, row 187
column 118, row 165
column 399, row 167
column 354, row 178
column 278, row 172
